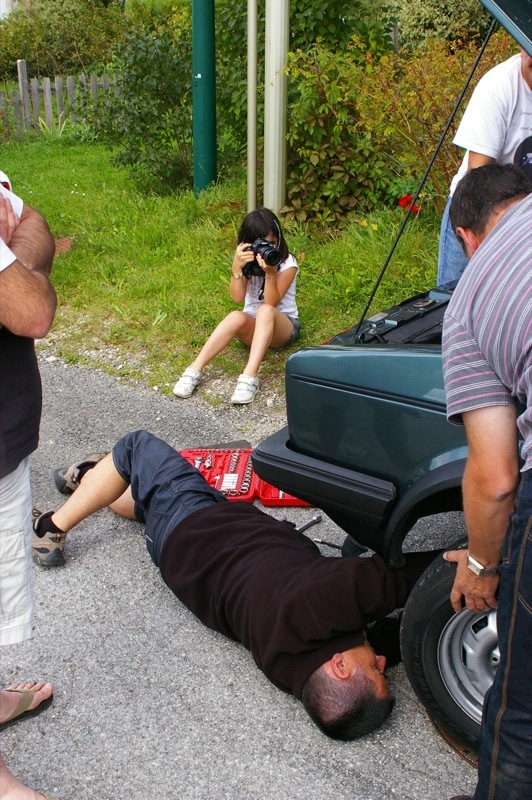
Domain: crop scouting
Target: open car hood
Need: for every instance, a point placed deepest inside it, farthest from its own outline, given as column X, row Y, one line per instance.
column 516, row 17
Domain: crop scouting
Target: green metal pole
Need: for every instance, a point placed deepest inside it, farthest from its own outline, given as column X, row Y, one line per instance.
column 203, row 94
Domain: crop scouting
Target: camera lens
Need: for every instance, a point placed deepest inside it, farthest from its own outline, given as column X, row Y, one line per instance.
column 270, row 254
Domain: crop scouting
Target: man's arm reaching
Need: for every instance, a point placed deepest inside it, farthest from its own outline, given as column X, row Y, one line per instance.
column 27, row 298
column 490, row 481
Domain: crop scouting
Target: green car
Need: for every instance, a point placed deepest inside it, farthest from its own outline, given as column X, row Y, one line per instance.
column 368, row 442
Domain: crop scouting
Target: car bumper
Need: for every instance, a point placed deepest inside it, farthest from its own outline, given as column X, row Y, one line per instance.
column 338, row 491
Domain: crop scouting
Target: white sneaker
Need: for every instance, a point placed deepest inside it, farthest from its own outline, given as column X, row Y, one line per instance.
column 187, row 382
column 246, row 389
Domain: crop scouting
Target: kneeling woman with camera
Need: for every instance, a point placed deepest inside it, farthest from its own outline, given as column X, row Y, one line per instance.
column 264, row 279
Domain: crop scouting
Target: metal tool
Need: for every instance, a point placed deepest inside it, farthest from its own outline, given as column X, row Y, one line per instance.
column 208, row 462
column 313, row 521
column 329, row 544
column 198, row 461
column 229, row 481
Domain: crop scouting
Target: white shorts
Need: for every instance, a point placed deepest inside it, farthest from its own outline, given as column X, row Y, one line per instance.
column 16, row 567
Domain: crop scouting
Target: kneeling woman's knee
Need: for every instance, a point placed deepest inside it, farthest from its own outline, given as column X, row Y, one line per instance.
column 266, row 313
column 236, row 320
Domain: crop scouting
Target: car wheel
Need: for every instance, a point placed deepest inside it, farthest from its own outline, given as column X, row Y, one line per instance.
column 450, row 659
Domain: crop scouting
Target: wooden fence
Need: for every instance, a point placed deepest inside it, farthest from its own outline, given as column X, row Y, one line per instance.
column 45, row 105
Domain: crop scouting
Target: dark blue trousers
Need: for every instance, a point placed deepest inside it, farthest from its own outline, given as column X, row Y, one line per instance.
column 505, row 763
column 165, row 486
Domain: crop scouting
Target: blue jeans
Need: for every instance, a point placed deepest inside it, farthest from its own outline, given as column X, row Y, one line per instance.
column 451, row 258
column 505, row 762
column 166, row 488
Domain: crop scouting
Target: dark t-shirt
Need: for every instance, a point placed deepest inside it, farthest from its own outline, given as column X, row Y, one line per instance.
column 20, row 400
column 258, row 581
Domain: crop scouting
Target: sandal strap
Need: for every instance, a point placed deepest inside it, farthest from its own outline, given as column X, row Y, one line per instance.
column 23, row 704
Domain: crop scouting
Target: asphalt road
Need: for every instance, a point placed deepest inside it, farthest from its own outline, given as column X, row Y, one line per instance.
column 149, row 704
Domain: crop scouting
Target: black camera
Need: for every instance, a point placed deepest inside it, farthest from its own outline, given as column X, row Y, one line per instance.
column 268, row 251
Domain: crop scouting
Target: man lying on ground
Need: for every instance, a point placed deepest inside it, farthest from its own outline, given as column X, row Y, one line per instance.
column 251, row 577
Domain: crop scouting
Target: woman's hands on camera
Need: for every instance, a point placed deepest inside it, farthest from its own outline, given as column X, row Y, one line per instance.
column 246, row 262
column 242, row 256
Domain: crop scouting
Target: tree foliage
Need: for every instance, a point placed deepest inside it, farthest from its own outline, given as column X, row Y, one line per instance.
column 447, row 20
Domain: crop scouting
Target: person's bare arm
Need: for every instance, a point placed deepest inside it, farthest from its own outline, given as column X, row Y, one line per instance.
column 238, row 285
column 490, row 482
column 33, row 243
column 27, row 298
column 475, row 160
column 276, row 284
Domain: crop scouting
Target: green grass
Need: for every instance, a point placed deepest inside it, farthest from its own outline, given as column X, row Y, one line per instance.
column 147, row 276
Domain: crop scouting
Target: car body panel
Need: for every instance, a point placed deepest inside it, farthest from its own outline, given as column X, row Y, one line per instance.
column 379, row 409
column 368, row 439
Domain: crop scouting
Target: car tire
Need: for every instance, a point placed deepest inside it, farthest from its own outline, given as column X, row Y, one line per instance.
column 450, row 659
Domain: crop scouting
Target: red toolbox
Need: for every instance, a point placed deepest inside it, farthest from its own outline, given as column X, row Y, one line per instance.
column 230, row 471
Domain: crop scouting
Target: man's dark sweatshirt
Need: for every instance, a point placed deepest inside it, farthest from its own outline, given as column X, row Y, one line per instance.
column 258, row 581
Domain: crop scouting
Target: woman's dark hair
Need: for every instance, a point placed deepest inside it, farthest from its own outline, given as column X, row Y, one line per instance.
column 258, row 224
column 346, row 709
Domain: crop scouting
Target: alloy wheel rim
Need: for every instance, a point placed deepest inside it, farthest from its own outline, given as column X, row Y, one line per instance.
column 468, row 656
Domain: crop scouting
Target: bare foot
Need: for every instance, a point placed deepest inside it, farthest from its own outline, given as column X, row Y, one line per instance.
column 10, row 699
column 13, row 789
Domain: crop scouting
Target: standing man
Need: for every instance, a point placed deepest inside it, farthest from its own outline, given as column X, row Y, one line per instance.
column 487, row 361
column 27, row 306
column 496, row 127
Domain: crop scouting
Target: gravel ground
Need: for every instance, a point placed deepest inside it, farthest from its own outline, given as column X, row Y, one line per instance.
column 149, row 704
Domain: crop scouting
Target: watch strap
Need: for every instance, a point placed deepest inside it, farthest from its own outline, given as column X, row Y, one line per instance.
column 479, row 569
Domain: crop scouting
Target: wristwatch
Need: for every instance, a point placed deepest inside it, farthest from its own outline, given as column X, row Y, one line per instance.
column 479, row 569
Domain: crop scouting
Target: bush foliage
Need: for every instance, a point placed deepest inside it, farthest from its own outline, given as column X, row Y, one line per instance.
column 63, row 37
column 150, row 120
column 333, row 23
column 333, row 164
column 361, row 131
